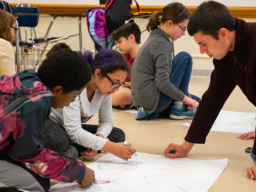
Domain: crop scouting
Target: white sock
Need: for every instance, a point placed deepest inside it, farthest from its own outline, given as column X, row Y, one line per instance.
column 178, row 104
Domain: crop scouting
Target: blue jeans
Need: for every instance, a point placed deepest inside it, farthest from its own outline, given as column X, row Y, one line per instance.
column 180, row 77
column 253, row 156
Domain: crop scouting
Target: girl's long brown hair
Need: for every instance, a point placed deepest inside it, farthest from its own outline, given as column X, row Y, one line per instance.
column 7, row 20
column 176, row 12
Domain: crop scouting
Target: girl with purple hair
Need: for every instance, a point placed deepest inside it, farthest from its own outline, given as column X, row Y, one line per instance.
column 64, row 131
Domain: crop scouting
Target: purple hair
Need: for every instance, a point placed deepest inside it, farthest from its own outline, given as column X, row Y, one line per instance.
column 107, row 60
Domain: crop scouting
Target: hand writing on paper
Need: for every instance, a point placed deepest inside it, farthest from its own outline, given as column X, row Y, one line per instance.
column 191, row 103
column 88, row 179
column 89, row 154
column 119, row 149
column 124, row 152
column 246, row 136
column 252, row 173
column 180, row 150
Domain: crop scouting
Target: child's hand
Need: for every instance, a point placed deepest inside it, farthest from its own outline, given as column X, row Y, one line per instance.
column 252, row 173
column 246, row 136
column 191, row 103
column 122, row 151
column 88, row 179
column 180, row 150
column 89, row 154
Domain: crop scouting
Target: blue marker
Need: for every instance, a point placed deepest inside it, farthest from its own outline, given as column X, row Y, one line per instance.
column 172, row 152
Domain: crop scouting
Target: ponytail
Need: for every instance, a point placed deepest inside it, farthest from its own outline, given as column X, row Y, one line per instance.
column 154, row 21
column 176, row 12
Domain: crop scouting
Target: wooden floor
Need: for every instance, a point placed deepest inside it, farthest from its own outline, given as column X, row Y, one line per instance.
column 154, row 136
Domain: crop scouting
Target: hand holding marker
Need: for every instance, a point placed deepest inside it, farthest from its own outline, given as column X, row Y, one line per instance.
column 125, row 142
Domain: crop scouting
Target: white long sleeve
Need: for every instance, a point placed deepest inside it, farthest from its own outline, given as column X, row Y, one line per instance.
column 80, row 111
column 105, row 117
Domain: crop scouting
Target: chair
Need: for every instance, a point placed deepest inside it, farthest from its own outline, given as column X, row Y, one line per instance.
column 46, row 40
column 28, row 18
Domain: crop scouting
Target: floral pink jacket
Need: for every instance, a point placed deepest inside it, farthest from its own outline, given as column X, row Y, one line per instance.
column 25, row 104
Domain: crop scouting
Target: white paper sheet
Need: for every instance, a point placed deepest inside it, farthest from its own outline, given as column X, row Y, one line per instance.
column 233, row 122
column 130, row 111
column 150, row 173
column 186, row 124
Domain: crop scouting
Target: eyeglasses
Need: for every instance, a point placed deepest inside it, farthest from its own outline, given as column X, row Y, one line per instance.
column 114, row 85
column 15, row 29
column 183, row 30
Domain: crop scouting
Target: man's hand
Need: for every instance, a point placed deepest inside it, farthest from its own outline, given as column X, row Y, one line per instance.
column 252, row 173
column 180, row 150
column 246, row 136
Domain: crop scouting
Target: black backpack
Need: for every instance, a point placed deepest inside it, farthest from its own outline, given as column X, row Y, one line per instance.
column 116, row 12
column 5, row 6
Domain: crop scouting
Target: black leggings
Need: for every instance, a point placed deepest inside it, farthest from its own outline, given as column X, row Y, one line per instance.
column 56, row 138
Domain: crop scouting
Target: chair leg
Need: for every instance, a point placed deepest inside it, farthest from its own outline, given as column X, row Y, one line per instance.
column 38, row 57
column 17, row 48
column 22, row 63
column 47, row 34
column 80, row 33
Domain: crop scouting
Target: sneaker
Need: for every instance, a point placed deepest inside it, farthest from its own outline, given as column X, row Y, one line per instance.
column 142, row 114
column 182, row 113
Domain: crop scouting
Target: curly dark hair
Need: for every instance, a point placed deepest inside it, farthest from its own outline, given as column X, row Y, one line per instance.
column 58, row 47
column 65, row 68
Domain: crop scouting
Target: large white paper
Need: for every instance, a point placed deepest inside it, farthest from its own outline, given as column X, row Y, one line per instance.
column 150, row 173
column 233, row 122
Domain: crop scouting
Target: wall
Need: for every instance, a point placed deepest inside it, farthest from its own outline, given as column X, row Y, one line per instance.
column 244, row 3
column 69, row 26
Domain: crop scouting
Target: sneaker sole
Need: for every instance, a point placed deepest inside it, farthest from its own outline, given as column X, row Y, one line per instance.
column 179, row 117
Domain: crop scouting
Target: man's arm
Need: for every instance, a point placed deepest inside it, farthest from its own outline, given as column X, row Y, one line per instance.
column 220, row 88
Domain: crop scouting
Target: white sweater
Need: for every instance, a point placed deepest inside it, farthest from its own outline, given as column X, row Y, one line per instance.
column 7, row 62
column 80, row 111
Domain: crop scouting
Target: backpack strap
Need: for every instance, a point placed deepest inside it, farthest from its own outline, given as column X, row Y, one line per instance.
column 5, row 5
column 106, row 8
column 10, row 7
column 2, row 5
column 138, row 6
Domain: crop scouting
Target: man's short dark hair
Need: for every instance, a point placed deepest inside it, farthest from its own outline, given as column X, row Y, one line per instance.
column 209, row 18
column 65, row 68
column 126, row 30
column 58, row 47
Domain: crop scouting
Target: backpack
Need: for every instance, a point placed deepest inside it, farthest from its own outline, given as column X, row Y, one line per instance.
column 116, row 12
column 100, row 35
column 6, row 6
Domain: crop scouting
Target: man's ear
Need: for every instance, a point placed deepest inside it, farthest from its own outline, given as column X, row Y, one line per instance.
column 57, row 90
column 223, row 32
